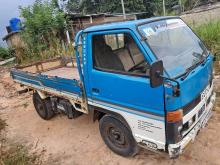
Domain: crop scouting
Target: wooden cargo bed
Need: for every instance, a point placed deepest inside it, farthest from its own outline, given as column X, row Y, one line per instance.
column 62, row 67
column 57, row 77
column 63, row 72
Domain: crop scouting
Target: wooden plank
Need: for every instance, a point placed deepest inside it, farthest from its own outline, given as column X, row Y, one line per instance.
column 7, row 61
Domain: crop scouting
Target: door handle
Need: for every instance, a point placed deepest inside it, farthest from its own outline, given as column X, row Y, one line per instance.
column 95, row 90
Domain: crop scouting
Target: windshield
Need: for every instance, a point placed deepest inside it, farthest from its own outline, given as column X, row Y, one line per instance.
column 173, row 42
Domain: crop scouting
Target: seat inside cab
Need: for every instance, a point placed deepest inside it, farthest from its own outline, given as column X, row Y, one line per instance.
column 116, row 52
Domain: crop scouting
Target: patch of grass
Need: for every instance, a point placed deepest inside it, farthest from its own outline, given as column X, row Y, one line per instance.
column 14, row 154
column 17, row 155
column 210, row 34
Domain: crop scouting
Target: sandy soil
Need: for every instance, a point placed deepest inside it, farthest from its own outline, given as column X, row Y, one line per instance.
column 72, row 142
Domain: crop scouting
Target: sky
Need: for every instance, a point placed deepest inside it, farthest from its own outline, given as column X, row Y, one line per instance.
column 9, row 9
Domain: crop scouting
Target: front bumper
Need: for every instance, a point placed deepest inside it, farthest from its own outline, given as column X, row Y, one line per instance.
column 176, row 149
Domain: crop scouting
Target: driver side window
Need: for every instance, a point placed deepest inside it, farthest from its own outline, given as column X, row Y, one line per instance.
column 118, row 52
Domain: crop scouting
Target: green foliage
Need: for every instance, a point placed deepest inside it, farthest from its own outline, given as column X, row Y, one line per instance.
column 210, row 34
column 73, row 6
column 114, row 6
column 44, row 25
column 106, row 6
column 152, row 7
column 5, row 53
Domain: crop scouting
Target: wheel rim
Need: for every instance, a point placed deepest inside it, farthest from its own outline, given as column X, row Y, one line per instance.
column 117, row 137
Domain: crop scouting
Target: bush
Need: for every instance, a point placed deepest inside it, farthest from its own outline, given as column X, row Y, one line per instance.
column 44, row 27
column 5, row 53
column 210, row 34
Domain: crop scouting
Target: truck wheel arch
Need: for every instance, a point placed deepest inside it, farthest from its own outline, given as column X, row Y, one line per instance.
column 41, row 94
column 98, row 113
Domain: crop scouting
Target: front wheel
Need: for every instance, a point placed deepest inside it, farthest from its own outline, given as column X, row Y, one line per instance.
column 117, row 136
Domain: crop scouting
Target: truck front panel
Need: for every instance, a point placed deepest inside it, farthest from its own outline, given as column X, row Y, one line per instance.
column 191, row 87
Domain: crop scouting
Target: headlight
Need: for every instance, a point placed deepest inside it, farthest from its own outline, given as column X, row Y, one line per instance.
column 190, row 122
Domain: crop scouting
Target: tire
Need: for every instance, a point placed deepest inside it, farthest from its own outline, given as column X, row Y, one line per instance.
column 43, row 107
column 117, row 136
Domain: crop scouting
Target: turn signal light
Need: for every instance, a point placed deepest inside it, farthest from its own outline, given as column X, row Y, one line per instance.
column 175, row 116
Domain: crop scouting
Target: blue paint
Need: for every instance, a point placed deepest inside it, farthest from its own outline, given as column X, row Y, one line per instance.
column 124, row 90
column 77, row 38
column 192, row 86
column 56, row 83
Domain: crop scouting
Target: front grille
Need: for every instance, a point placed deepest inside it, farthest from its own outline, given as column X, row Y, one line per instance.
column 188, row 107
column 209, row 99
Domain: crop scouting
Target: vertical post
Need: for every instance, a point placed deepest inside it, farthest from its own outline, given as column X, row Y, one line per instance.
column 68, row 37
column 180, row 4
column 123, row 8
column 91, row 19
column 164, row 8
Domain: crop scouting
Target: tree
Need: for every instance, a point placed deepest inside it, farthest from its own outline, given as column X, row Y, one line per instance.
column 151, row 7
column 89, row 6
column 106, row 6
column 73, row 6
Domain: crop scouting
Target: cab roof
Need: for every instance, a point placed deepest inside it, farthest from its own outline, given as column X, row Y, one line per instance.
column 123, row 25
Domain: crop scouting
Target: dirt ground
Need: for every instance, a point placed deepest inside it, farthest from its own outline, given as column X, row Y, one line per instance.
column 73, row 142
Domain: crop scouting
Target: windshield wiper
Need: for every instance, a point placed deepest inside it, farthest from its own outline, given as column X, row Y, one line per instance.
column 188, row 70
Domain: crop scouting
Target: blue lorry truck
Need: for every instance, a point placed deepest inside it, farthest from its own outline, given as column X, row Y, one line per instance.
column 148, row 83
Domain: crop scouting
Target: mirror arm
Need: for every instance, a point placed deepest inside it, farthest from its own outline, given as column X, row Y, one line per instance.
column 176, row 89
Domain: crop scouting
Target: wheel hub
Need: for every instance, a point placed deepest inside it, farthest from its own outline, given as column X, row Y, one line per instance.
column 116, row 136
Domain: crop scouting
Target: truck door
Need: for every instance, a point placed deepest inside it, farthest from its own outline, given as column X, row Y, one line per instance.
column 119, row 80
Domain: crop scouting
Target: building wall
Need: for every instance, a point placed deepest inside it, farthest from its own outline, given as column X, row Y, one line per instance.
column 98, row 20
column 15, row 42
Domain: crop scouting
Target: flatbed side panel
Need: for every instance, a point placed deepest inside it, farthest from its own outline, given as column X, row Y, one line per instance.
column 38, row 81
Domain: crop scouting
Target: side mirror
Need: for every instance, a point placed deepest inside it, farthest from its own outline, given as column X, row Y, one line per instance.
column 156, row 74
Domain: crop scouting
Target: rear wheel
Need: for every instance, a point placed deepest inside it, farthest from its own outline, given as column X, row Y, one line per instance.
column 117, row 136
column 43, row 107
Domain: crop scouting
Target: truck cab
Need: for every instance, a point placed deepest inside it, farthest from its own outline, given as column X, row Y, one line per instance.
column 148, row 83
column 121, row 65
